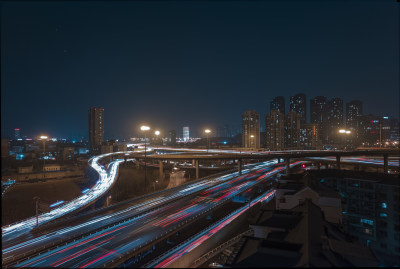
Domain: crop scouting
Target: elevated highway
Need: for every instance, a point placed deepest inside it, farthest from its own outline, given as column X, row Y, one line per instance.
column 131, row 214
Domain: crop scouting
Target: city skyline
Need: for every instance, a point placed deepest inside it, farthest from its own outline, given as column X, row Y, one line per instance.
column 164, row 64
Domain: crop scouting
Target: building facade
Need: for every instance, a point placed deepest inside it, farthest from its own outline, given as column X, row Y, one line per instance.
column 96, row 129
column 17, row 134
column 186, row 134
column 292, row 131
column 251, row 129
column 371, row 213
column 318, row 114
column 353, row 111
column 309, row 138
column 335, row 120
column 278, row 103
column 298, row 104
column 274, row 130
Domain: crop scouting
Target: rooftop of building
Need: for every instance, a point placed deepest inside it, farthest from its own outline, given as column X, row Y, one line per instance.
column 302, row 181
column 379, row 178
column 308, row 240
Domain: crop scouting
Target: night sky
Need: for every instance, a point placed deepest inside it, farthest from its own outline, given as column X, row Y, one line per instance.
column 197, row 64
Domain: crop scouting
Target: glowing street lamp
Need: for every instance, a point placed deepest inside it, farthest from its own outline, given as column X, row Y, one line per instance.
column 44, row 137
column 251, row 141
column 157, row 133
column 344, row 132
column 145, row 128
column 208, row 131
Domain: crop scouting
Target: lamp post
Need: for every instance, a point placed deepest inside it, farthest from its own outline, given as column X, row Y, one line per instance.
column 208, row 131
column 251, row 141
column 44, row 137
column 145, row 128
column 157, row 133
column 344, row 133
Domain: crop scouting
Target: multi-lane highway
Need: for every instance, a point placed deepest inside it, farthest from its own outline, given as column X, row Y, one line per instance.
column 113, row 242
column 16, row 246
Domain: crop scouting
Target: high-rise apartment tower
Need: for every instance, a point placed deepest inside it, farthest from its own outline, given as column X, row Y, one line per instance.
column 96, row 129
column 251, row 129
column 298, row 104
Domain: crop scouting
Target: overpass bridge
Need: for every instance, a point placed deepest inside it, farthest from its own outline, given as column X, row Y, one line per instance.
column 238, row 158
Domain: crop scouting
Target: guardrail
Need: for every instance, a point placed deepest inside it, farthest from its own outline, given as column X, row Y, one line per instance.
column 218, row 249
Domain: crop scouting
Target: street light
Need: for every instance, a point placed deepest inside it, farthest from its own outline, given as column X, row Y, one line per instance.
column 44, row 137
column 251, row 141
column 344, row 132
column 145, row 128
column 157, row 133
column 208, row 131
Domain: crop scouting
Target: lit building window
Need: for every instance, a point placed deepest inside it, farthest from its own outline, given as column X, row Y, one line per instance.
column 384, row 205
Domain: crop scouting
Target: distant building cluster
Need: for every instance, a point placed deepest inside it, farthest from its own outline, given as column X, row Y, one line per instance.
column 330, row 126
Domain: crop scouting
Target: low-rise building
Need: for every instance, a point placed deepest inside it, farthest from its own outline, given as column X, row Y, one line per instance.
column 51, row 167
column 291, row 193
column 299, row 237
column 25, row 169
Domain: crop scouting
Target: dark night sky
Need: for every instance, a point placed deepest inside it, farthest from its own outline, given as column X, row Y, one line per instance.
column 197, row 64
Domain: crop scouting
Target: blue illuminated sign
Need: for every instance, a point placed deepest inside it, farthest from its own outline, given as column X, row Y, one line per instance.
column 367, row 221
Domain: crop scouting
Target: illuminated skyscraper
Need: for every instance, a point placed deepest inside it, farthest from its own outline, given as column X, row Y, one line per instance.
column 335, row 119
column 186, row 134
column 96, row 129
column 274, row 130
column 292, row 131
column 251, row 129
column 17, row 134
column 318, row 114
column 298, row 105
column 278, row 104
column 353, row 110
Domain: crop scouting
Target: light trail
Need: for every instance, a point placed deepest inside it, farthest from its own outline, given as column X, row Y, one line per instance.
column 105, row 181
column 137, row 232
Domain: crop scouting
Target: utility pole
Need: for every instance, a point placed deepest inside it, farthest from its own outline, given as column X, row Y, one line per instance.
column 36, row 199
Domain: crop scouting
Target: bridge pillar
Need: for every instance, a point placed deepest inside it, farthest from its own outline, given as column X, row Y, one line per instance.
column 193, row 162
column 338, row 161
column 240, row 167
column 287, row 166
column 197, row 168
column 161, row 169
column 137, row 162
column 385, row 164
